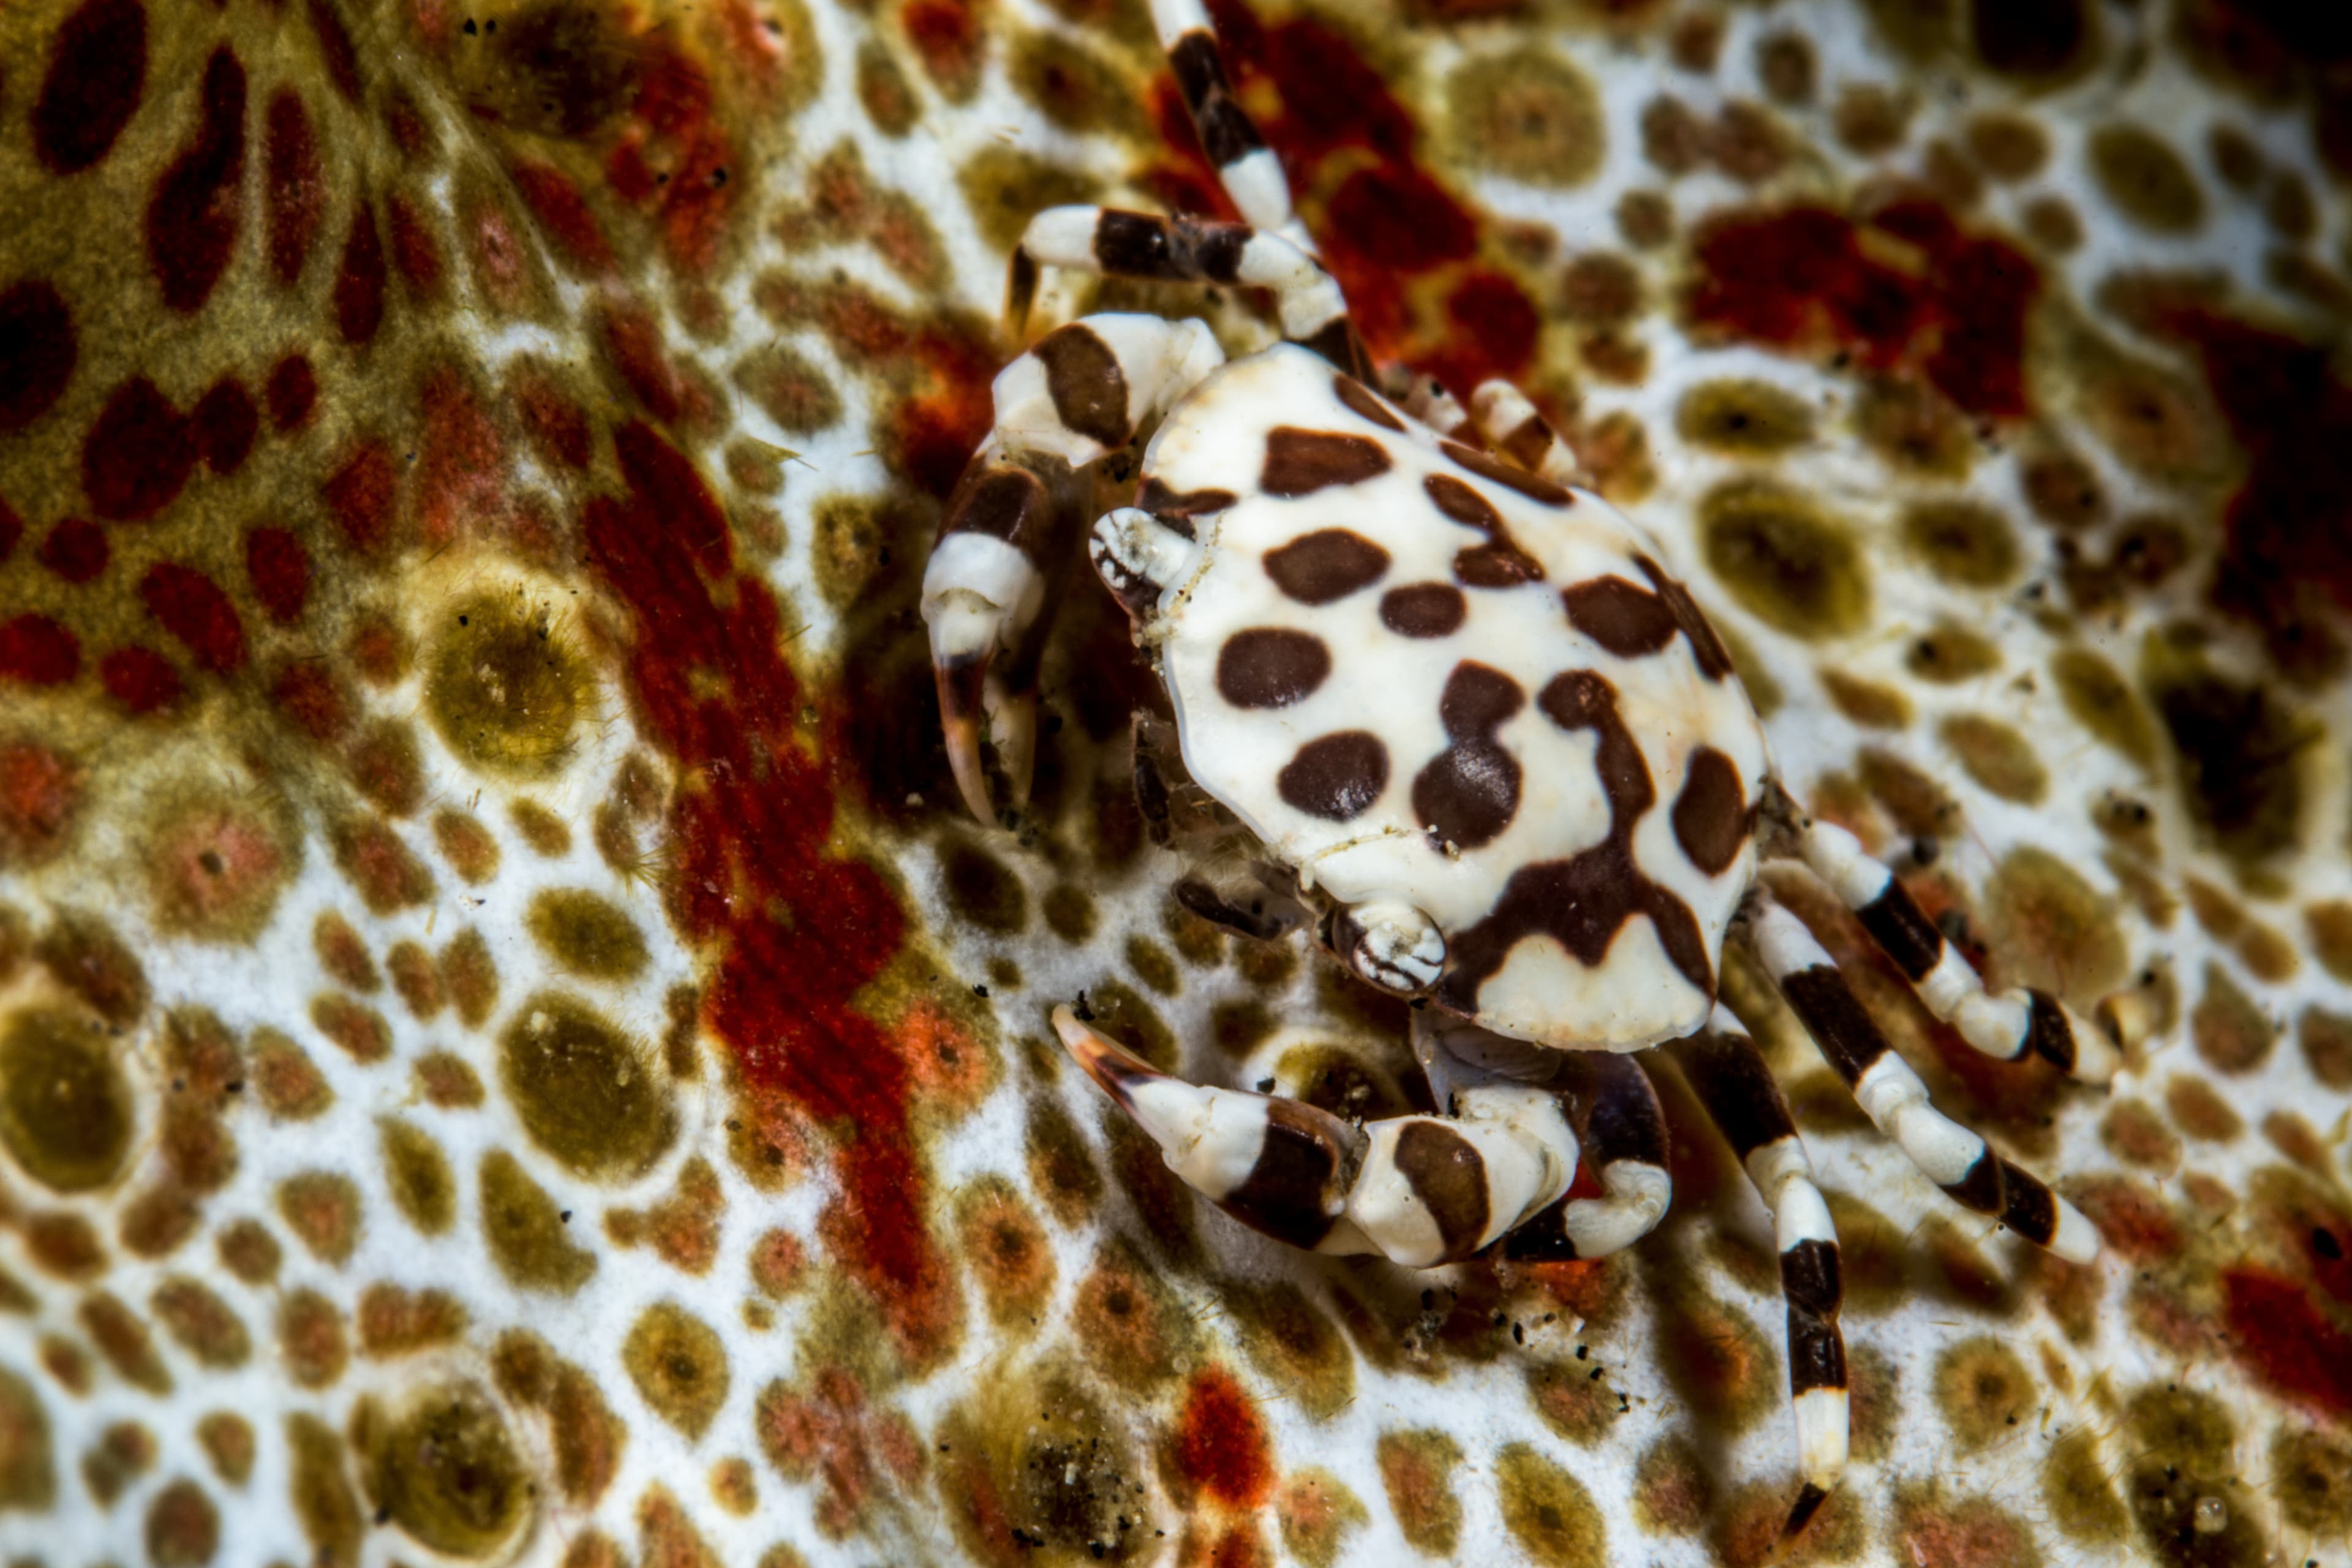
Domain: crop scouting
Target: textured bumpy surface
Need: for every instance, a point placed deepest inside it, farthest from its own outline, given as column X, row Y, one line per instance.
column 510, row 1048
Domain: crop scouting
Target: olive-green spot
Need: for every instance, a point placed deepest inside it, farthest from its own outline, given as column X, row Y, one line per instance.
column 2057, row 930
column 1745, row 418
column 2311, row 1476
column 1983, row 1390
column 1417, row 1470
column 1152, row 963
column 1996, row 756
column 585, row 1093
column 1871, row 703
column 417, row 1175
column 2103, row 702
column 1295, row 1346
column 1962, row 542
column 526, row 1233
column 587, row 933
column 65, row 1107
column 28, row 1469
column 2077, row 1491
column 981, row 890
column 1005, row 188
column 1070, row 912
column 2141, row 174
column 1550, row 1512
column 321, row 1491
column 445, row 1470
column 1074, row 88
column 1949, row 653
column 2241, row 750
column 1784, row 561
column 503, row 686
column 1526, row 114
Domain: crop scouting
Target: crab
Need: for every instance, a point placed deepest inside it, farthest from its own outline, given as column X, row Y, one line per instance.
column 1479, row 733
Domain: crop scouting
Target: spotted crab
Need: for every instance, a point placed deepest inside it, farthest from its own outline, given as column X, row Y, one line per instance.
column 1489, row 740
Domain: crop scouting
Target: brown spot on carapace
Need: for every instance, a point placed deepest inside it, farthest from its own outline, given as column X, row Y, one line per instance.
column 1271, row 666
column 1710, row 815
column 1300, row 462
column 1424, row 610
column 1337, row 776
column 1327, row 565
column 1467, row 795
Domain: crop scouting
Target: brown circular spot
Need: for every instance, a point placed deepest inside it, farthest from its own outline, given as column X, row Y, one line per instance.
column 1468, row 794
column 1711, row 813
column 1424, row 610
column 1621, row 617
column 1271, row 666
column 1336, row 777
column 1325, row 565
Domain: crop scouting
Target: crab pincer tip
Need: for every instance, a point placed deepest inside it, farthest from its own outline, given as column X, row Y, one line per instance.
column 1119, row 1071
column 1808, row 1502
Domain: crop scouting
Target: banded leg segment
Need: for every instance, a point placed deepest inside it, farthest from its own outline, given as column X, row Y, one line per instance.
column 1950, row 1155
column 1081, row 392
column 1741, row 1097
column 1616, row 1111
column 2008, row 1026
column 1247, row 167
column 1419, row 1190
column 1516, row 430
column 1120, row 244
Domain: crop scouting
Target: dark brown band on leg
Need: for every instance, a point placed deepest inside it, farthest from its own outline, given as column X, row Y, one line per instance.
column 1728, row 1075
column 1816, row 1354
column 2029, row 1207
column 1336, row 341
column 1291, row 1192
column 1982, row 1190
column 1835, row 1019
column 1542, row 1239
column 1227, row 134
column 1808, row 1502
column 2047, row 1032
column 1902, row 931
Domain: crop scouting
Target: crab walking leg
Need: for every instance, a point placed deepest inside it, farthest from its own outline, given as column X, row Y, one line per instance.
column 1079, row 393
column 1626, row 1140
column 1729, row 1077
column 1519, row 433
column 1121, row 244
column 1954, row 1158
column 1247, row 167
column 2007, row 1026
column 1419, row 1190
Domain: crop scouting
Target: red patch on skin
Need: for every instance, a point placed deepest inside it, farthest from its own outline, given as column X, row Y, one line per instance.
column 37, row 651
column 2131, row 1218
column 335, row 44
column 281, row 569
column 1237, row 1548
column 76, row 550
column 138, row 453
column 294, row 189
column 796, row 929
column 409, row 132
column 674, row 134
column 464, row 467
column 556, row 426
column 292, row 392
column 359, row 286
column 500, row 267
column 191, row 606
column 414, row 250
column 947, row 35
column 362, row 495
column 192, row 221
column 309, row 697
column 97, row 69
column 1220, row 1445
column 37, row 351
column 2286, row 1341
column 561, row 209
column 1391, row 233
column 1801, row 279
column 38, row 791
column 224, row 423
column 140, row 679
column 946, row 406
column 634, row 343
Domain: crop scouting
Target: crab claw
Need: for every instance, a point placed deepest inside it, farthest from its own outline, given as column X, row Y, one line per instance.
column 1279, row 1166
column 982, row 596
